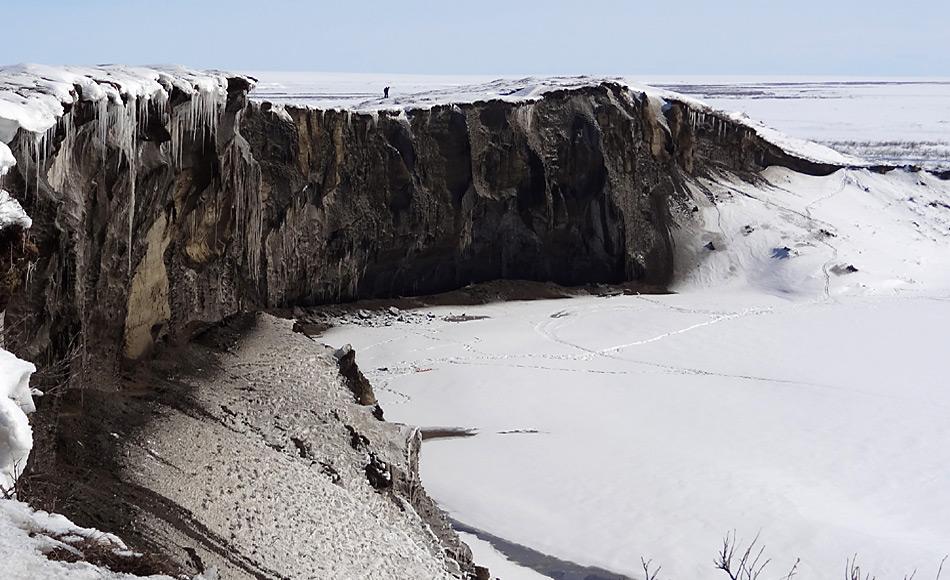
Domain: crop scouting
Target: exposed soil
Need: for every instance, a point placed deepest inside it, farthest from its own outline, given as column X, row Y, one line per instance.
column 176, row 457
column 82, row 435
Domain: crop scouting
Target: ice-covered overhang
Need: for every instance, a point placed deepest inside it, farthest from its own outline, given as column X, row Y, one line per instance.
column 33, row 99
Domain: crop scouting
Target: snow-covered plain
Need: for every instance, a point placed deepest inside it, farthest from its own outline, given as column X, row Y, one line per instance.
column 778, row 393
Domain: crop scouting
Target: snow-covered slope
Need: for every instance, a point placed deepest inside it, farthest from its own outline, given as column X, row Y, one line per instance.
column 27, row 536
column 274, row 454
column 852, row 232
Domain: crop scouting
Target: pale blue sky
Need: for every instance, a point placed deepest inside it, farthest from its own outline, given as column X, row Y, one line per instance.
column 833, row 37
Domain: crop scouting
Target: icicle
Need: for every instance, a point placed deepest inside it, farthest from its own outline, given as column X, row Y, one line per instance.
column 40, row 147
column 123, row 120
column 26, row 161
column 57, row 172
column 132, row 137
column 36, row 156
column 198, row 119
column 102, row 117
column 30, row 269
column 176, row 146
column 69, row 129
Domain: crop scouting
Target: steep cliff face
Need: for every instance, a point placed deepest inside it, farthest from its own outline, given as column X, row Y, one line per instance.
column 442, row 197
column 152, row 229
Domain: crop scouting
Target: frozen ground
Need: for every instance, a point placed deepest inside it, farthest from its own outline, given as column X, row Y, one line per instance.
column 780, row 393
column 884, row 120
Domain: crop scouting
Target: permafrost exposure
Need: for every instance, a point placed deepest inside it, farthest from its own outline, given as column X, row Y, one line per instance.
column 237, row 171
column 147, row 217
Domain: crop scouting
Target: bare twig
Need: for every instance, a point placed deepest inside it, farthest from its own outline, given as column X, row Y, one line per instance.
column 13, row 491
column 647, row 574
column 853, row 572
column 750, row 564
column 791, row 573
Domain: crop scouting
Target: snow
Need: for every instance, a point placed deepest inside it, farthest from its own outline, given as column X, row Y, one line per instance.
column 852, row 217
column 11, row 213
column 6, row 159
column 27, row 535
column 770, row 396
column 349, row 90
column 16, row 437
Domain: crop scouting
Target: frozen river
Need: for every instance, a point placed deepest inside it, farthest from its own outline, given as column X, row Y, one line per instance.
column 615, row 428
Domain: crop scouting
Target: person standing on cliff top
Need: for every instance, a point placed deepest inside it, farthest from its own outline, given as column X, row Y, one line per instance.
column 386, row 93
